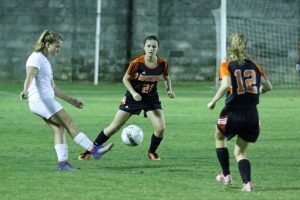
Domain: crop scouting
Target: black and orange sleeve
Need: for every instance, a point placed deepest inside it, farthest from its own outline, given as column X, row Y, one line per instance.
column 132, row 69
column 262, row 72
column 224, row 71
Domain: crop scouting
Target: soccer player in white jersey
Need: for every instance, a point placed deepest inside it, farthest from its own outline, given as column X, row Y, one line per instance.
column 40, row 90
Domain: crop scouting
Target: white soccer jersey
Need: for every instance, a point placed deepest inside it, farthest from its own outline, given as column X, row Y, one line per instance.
column 40, row 87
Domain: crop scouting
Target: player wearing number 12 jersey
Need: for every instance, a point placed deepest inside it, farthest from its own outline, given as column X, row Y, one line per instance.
column 243, row 80
column 140, row 81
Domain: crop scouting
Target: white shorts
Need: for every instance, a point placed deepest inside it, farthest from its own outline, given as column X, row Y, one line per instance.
column 45, row 108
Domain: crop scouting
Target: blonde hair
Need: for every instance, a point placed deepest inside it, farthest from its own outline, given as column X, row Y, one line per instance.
column 237, row 48
column 46, row 36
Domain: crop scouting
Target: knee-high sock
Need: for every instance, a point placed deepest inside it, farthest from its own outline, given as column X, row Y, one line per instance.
column 155, row 142
column 223, row 157
column 83, row 141
column 61, row 152
column 101, row 138
column 245, row 170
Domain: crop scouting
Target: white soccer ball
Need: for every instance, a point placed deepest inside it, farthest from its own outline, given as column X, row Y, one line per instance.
column 132, row 135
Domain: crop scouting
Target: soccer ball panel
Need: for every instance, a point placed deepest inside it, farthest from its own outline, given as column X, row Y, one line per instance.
column 132, row 135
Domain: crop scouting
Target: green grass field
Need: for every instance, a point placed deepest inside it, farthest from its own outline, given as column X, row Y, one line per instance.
column 188, row 167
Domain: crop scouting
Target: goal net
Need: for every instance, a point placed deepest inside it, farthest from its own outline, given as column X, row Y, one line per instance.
column 272, row 28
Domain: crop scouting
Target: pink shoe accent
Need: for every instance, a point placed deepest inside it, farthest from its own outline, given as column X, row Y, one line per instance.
column 248, row 187
column 224, row 179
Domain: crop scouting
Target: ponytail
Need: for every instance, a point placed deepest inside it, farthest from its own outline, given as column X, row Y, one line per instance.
column 237, row 48
column 46, row 36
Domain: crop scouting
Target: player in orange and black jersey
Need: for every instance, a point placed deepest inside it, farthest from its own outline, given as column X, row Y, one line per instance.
column 243, row 80
column 140, row 81
column 248, row 75
column 144, row 82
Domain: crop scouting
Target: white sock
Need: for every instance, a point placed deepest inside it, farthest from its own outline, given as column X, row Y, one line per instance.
column 62, row 152
column 83, row 141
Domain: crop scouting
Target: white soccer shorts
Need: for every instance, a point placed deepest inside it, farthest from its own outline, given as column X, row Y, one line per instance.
column 45, row 108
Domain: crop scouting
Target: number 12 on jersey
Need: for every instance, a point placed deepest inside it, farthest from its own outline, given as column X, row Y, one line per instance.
column 250, row 81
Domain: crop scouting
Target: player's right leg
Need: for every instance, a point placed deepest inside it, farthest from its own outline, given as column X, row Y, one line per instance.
column 223, row 158
column 157, row 120
column 243, row 164
column 62, row 118
column 120, row 119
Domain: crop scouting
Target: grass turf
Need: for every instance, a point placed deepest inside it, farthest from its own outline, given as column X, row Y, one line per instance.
column 188, row 166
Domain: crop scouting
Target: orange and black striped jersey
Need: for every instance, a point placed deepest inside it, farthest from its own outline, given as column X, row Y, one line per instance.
column 144, row 79
column 245, row 82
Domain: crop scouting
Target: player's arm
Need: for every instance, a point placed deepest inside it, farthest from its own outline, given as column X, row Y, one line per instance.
column 265, row 87
column 225, row 84
column 30, row 74
column 265, row 83
column 126, row 81
column 168, row 86
column 75, row 102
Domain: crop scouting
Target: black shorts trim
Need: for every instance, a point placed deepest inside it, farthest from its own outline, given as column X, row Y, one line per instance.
column 135, row 107
column 135, row 111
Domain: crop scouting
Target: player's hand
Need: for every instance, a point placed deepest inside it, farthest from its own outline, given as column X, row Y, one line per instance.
column 298, row 66
column 171, row 94
column 77, row 103
column 24, row 95
column 211, row 105
column 137, row 97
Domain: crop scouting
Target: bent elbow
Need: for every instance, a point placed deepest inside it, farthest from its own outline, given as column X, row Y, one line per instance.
column 124, row 79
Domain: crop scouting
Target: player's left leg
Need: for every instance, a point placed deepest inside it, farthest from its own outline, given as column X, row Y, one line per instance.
column 157, row 120
column 119, row 120
column 223, row 158
column 243, row 164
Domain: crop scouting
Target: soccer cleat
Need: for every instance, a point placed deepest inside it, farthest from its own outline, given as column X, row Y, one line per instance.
column 98, row 151
column 84, row 156
column 224, row 179
column 153, row 156
column 248, row 187
column 65, row 165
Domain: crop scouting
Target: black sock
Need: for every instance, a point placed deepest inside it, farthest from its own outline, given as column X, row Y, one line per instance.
column 155, row 141
column 101, row 138
column 245, row 170
column 223, row 157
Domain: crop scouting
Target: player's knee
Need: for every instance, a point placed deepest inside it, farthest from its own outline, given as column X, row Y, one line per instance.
column 219, row 137
column 239, row 155
column 160, row 130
